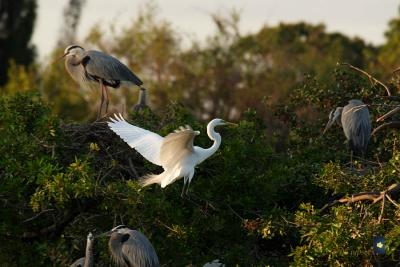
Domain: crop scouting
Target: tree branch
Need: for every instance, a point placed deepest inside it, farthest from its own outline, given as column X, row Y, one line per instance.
column 372, row 79
column 374, row 197
column 389, row 114
column 393, row 124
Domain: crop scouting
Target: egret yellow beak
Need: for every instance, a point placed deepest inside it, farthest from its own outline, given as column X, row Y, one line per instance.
column 230, row 123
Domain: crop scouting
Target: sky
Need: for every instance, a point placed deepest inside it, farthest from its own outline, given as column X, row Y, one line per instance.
column 367, row 19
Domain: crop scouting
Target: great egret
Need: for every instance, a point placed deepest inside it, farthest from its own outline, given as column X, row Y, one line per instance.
column 130, row 248
column 86, row 261
column 355, row 121
column 175, row 152
column 88, row 67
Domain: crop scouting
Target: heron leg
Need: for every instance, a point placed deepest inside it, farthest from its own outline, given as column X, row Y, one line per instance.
column 102, row 100
column 107, row 98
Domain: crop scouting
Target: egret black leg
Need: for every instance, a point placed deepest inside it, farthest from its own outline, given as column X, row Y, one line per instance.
column 183, row 194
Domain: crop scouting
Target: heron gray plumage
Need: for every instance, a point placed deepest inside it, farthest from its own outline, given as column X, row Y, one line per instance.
column 88, row 260
column 95, row 67
column 175, row 152
column 356, row 123
column 131, row 248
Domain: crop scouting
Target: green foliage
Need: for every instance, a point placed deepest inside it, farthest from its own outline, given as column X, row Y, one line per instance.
column 256, row 202
column 17, row 19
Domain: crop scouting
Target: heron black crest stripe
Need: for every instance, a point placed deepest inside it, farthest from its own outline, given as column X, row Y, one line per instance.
column 124, row 238
column 74, row 46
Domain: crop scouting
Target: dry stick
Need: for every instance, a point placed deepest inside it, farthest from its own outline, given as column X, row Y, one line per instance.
column 374, row 197
column 382, row 208
column 393, row 124
column 389, row 114
column 370, row 77
column 392, row 201
column 37, row 215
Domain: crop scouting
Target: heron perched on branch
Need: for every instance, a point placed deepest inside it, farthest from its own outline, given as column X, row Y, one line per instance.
column 174, row 152
column 356, row 123
column 95, row 67
column 130, row 248
column 86, row 261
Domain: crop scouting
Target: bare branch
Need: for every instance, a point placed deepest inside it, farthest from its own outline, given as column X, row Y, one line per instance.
column 37, row 215
column 392, row 97
column 393, row 124
column 374, row 197
column 389, row 114
column 372, row 79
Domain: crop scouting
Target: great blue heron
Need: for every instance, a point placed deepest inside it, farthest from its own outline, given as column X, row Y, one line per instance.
column 88, row 67
column 355, row 121
column 86, row 261
column 175, row 152
column 130, row 248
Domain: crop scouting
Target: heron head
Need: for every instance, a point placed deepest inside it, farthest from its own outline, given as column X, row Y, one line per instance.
column 221, row 122
column 73, row 50
column 115, row 229
column 334, row 116
column 90, row 237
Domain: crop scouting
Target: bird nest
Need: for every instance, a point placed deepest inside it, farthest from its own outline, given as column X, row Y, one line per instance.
column 109, row 155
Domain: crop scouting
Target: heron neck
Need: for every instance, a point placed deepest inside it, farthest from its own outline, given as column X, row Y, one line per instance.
column 89, row 254
column 142, row 97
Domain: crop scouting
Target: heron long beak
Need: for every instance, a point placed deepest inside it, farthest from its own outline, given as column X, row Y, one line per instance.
column 58, row 59
column 108, row 233
column 328, row 125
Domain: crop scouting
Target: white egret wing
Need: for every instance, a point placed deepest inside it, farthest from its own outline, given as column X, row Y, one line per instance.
column 147, row 143
column 177, row 145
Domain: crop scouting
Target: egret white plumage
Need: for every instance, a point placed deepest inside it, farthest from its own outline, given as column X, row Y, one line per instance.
column 131, row 248
column 355, row 121
column 88, row 260
column 95, row 67
column 174, row 152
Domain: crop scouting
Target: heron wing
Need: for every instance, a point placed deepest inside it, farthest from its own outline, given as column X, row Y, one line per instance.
column 356, row 124
column 138, row 250
column 177, row 145
column 98, row 64
column 147, row 143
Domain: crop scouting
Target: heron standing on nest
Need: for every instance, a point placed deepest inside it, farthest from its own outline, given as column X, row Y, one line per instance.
column 356, row 123
column 88, row 67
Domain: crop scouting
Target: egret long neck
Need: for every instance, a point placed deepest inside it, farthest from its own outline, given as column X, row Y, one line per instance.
column 217, row 142
column 89, row 254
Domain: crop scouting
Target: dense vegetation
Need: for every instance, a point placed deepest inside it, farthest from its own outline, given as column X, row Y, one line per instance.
column 259, row 201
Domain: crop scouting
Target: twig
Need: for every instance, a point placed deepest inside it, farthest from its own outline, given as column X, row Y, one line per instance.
column 389, row 114
column 392, row 201
column 37, row 215
column 393, row 124
column 382, row 208
column 372, row 80
column 374, row 197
